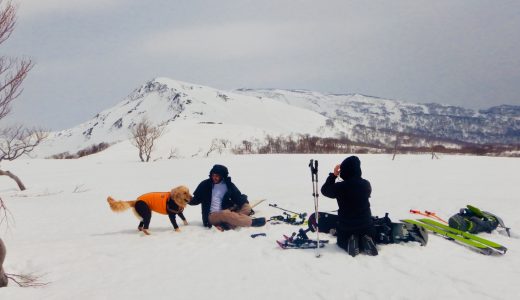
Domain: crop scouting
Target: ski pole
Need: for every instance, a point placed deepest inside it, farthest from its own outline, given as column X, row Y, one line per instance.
column 427, row 214
column 276, row 206
column 434, row 215
column 314, row 176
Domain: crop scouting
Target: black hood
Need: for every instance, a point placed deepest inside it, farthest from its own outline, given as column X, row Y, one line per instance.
column 350, row 167
column 220, row 170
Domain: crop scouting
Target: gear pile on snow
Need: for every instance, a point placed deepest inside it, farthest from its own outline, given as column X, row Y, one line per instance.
column 387, row 231
column 474, row 220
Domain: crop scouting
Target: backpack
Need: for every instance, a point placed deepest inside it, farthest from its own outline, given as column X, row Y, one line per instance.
column 473, row 220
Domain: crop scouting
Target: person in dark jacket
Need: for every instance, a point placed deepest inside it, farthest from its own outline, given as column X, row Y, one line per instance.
column 356, row 230
column 223, row 205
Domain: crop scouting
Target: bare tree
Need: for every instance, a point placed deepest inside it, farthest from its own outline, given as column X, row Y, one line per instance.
column 15, row 142
column 13, row 71
column 144, row 136
column 219, row 145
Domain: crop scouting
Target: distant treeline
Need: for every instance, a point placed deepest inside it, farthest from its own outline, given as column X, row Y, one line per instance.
column 304, row 143
column 314, row 144
column 84, row 152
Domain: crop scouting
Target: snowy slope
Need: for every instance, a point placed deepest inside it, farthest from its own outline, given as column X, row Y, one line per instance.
column 193, row 115
column 64, row 231
column 499, row 124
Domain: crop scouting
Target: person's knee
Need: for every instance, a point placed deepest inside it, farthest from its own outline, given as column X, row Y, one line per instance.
column 245, row 209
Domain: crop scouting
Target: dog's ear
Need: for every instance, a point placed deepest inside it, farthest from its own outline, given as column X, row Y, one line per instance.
column 186, row 196
column 181, row 195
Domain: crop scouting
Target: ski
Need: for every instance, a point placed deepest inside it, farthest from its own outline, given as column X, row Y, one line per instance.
column 472, row 244
column 467, row 235
column 308, row 244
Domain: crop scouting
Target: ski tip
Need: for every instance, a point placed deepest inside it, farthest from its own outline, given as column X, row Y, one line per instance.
column 282, row 245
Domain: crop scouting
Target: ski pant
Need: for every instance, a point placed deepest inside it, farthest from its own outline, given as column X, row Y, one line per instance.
column 144, row 212
column 238, row 218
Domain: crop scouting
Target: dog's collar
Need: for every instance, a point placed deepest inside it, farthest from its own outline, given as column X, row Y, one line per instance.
column 173, row 211
column 181, row 209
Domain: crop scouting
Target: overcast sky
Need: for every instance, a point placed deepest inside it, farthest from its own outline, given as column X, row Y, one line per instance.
column 90, row 54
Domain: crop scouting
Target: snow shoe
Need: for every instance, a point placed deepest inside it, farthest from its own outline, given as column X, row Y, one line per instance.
column 405, row 232
column 353, row 245
column 368, row 246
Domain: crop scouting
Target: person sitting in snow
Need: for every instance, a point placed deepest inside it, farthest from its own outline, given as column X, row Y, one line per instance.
column 223, row 205
column 356, row 231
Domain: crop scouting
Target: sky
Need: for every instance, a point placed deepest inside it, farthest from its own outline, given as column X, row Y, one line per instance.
column 90, row 54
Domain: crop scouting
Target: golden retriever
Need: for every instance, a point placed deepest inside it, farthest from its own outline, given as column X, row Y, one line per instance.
column 159, row 202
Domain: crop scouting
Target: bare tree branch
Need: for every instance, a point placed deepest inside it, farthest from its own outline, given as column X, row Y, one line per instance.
column 13, row 71
column 26, row 280
column 144, row 135
column 7, row 20
column 4, row 214
column 16, row 141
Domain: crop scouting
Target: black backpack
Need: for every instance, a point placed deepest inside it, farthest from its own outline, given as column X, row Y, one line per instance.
column 473, row 221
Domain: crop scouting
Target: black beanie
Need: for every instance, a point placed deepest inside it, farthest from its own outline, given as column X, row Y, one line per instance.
column 350, row 167
column 220, row 170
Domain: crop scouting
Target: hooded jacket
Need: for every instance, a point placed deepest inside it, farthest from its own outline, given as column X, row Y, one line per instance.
column 202, row 194
column 352, row 195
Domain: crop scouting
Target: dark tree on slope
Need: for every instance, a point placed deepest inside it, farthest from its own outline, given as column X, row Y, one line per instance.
column 14, row 141
column 144, row 136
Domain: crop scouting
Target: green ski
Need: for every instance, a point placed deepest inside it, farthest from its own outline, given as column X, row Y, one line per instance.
column 467, row 235
column 474, row 245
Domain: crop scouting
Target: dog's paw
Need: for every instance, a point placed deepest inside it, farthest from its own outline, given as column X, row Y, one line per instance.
column 185, row 222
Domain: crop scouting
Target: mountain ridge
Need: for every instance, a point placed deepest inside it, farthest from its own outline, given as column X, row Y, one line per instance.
column 190, row 113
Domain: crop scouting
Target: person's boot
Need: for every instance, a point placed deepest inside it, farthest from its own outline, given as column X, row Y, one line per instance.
column 258, row 222
column 353, row 245
column 368, row 246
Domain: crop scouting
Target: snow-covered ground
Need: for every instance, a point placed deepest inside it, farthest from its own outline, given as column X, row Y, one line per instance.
column 64, row 231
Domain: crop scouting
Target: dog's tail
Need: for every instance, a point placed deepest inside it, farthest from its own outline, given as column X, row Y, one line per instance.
column 119, row 206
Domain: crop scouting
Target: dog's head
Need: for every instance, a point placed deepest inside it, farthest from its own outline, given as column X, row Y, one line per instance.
column 181, row 195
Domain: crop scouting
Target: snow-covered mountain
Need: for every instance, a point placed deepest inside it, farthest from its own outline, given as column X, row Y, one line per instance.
column 195, row 116
column 500, row 124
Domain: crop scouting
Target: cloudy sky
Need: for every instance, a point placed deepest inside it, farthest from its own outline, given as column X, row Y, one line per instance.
column 90, row 54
